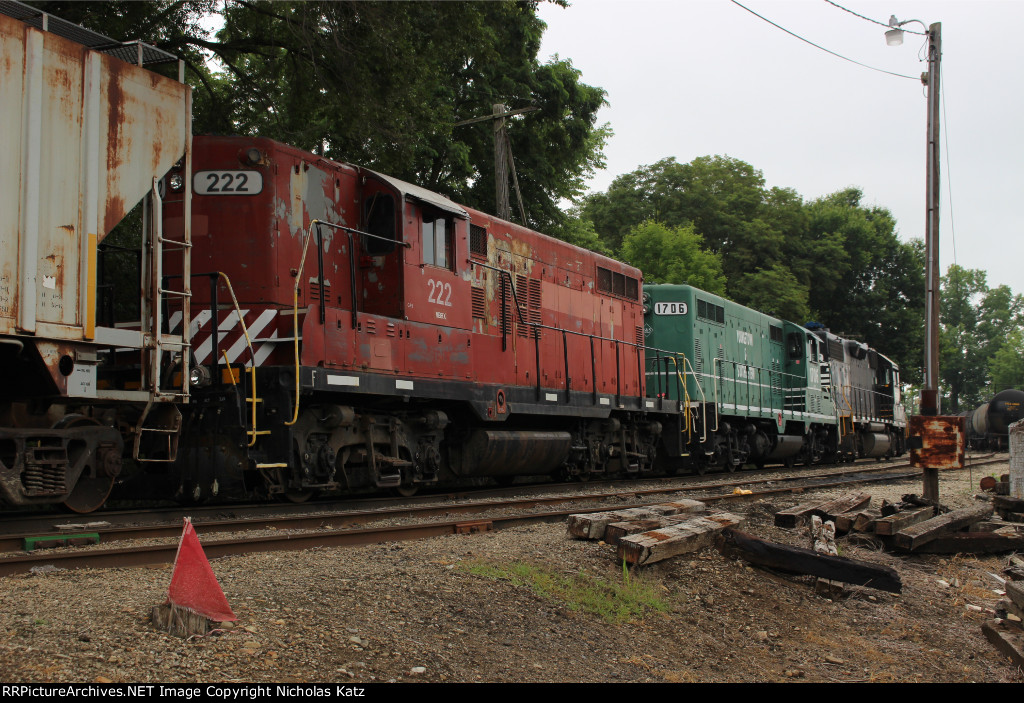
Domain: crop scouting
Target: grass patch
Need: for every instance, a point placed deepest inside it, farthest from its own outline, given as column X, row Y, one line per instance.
column 613, row 602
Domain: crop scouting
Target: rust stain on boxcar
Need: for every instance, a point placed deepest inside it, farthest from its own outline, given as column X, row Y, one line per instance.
column 115, row 103
column 943, row 441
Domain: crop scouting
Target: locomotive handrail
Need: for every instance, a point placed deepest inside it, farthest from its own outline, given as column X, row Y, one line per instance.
column 352, row 280
column 215, row 362
column 686, row 393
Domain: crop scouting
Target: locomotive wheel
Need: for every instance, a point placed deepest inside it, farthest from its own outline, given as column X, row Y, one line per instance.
column 94, row 485
column 298, row 496
column 407, row 490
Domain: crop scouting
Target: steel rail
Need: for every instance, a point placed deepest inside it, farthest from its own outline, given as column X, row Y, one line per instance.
column 165, row 553
column 13, row 542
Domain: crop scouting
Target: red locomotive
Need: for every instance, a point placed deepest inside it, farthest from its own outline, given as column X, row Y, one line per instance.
column 434, row 341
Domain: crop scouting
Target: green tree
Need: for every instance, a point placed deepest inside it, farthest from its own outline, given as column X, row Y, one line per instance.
column 383, row 84
column 673, row 255
column 1006, row 367
column 977, row 323
column 862, row 281
column 722, row 197
column 775, row 291
column 580, row 232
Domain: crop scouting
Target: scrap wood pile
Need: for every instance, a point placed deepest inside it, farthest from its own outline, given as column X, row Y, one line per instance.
column 657, row 532
column 914, row 524
column 1005, row 630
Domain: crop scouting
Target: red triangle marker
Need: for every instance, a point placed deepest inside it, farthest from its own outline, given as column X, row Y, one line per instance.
column 193, row 585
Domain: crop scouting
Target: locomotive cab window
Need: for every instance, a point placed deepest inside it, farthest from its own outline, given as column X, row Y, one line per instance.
column 379, row 216
column 795, row 346
column 438, row 236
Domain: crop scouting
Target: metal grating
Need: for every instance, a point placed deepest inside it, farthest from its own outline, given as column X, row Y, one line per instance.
column 528, row 293
column 479, row 302
column 126, row 51
column 477, row 241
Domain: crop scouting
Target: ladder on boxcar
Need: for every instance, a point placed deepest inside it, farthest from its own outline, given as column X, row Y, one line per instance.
column 161, row 418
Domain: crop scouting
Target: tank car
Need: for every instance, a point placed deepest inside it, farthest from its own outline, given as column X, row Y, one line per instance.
column 988, row 425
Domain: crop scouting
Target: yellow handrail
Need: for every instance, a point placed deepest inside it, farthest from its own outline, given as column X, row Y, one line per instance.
column 295, row 316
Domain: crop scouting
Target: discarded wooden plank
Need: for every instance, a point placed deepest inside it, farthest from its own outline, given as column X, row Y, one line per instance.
column 914, row 536
column 1008, row 607
column 1010, row 516
column 791, row 517
column 848, row 521
column 894, row 523
column 828, row 509
column 690, row 535
column 806, row 561
column 973, row 543
column 615, row 531
column 1015, row 592
column 683, row 506
column 593, row 525
column 1014, row 573
column 888, row 508
column 1008, row 640
column 992, row 526
column 1015, row 505
column 866, row 521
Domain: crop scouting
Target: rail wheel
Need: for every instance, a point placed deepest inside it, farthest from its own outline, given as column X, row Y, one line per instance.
column 97, row 479
column 299, row 496
column 407, row 490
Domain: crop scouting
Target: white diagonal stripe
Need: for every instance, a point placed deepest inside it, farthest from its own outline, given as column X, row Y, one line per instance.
column 254, row 329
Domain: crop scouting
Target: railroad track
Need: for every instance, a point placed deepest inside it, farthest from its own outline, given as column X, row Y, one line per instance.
column 354, row 527
column 18, row 524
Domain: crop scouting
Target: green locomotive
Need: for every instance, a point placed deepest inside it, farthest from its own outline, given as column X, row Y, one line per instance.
column 754, row 389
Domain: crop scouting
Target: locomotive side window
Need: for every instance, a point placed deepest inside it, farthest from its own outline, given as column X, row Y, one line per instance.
column 617, row 284
column 379, row 212
column 438, row 233
column 795, row 346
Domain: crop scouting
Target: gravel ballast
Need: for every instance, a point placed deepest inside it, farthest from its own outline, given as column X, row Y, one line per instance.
column 432, row 611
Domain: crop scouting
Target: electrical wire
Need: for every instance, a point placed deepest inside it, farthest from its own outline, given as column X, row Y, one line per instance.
column 949, row 179
column 818, row 46
column 883, row 24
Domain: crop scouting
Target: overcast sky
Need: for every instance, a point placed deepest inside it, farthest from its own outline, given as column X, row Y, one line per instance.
column 700, row 77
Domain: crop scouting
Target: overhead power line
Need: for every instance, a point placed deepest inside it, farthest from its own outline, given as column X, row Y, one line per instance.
column 883, row 24
column 818, row 46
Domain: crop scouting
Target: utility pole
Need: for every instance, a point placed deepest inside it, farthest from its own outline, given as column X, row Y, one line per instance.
column 930, row 392
column 935, row 441
column 503, row 160
column 503, row 210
